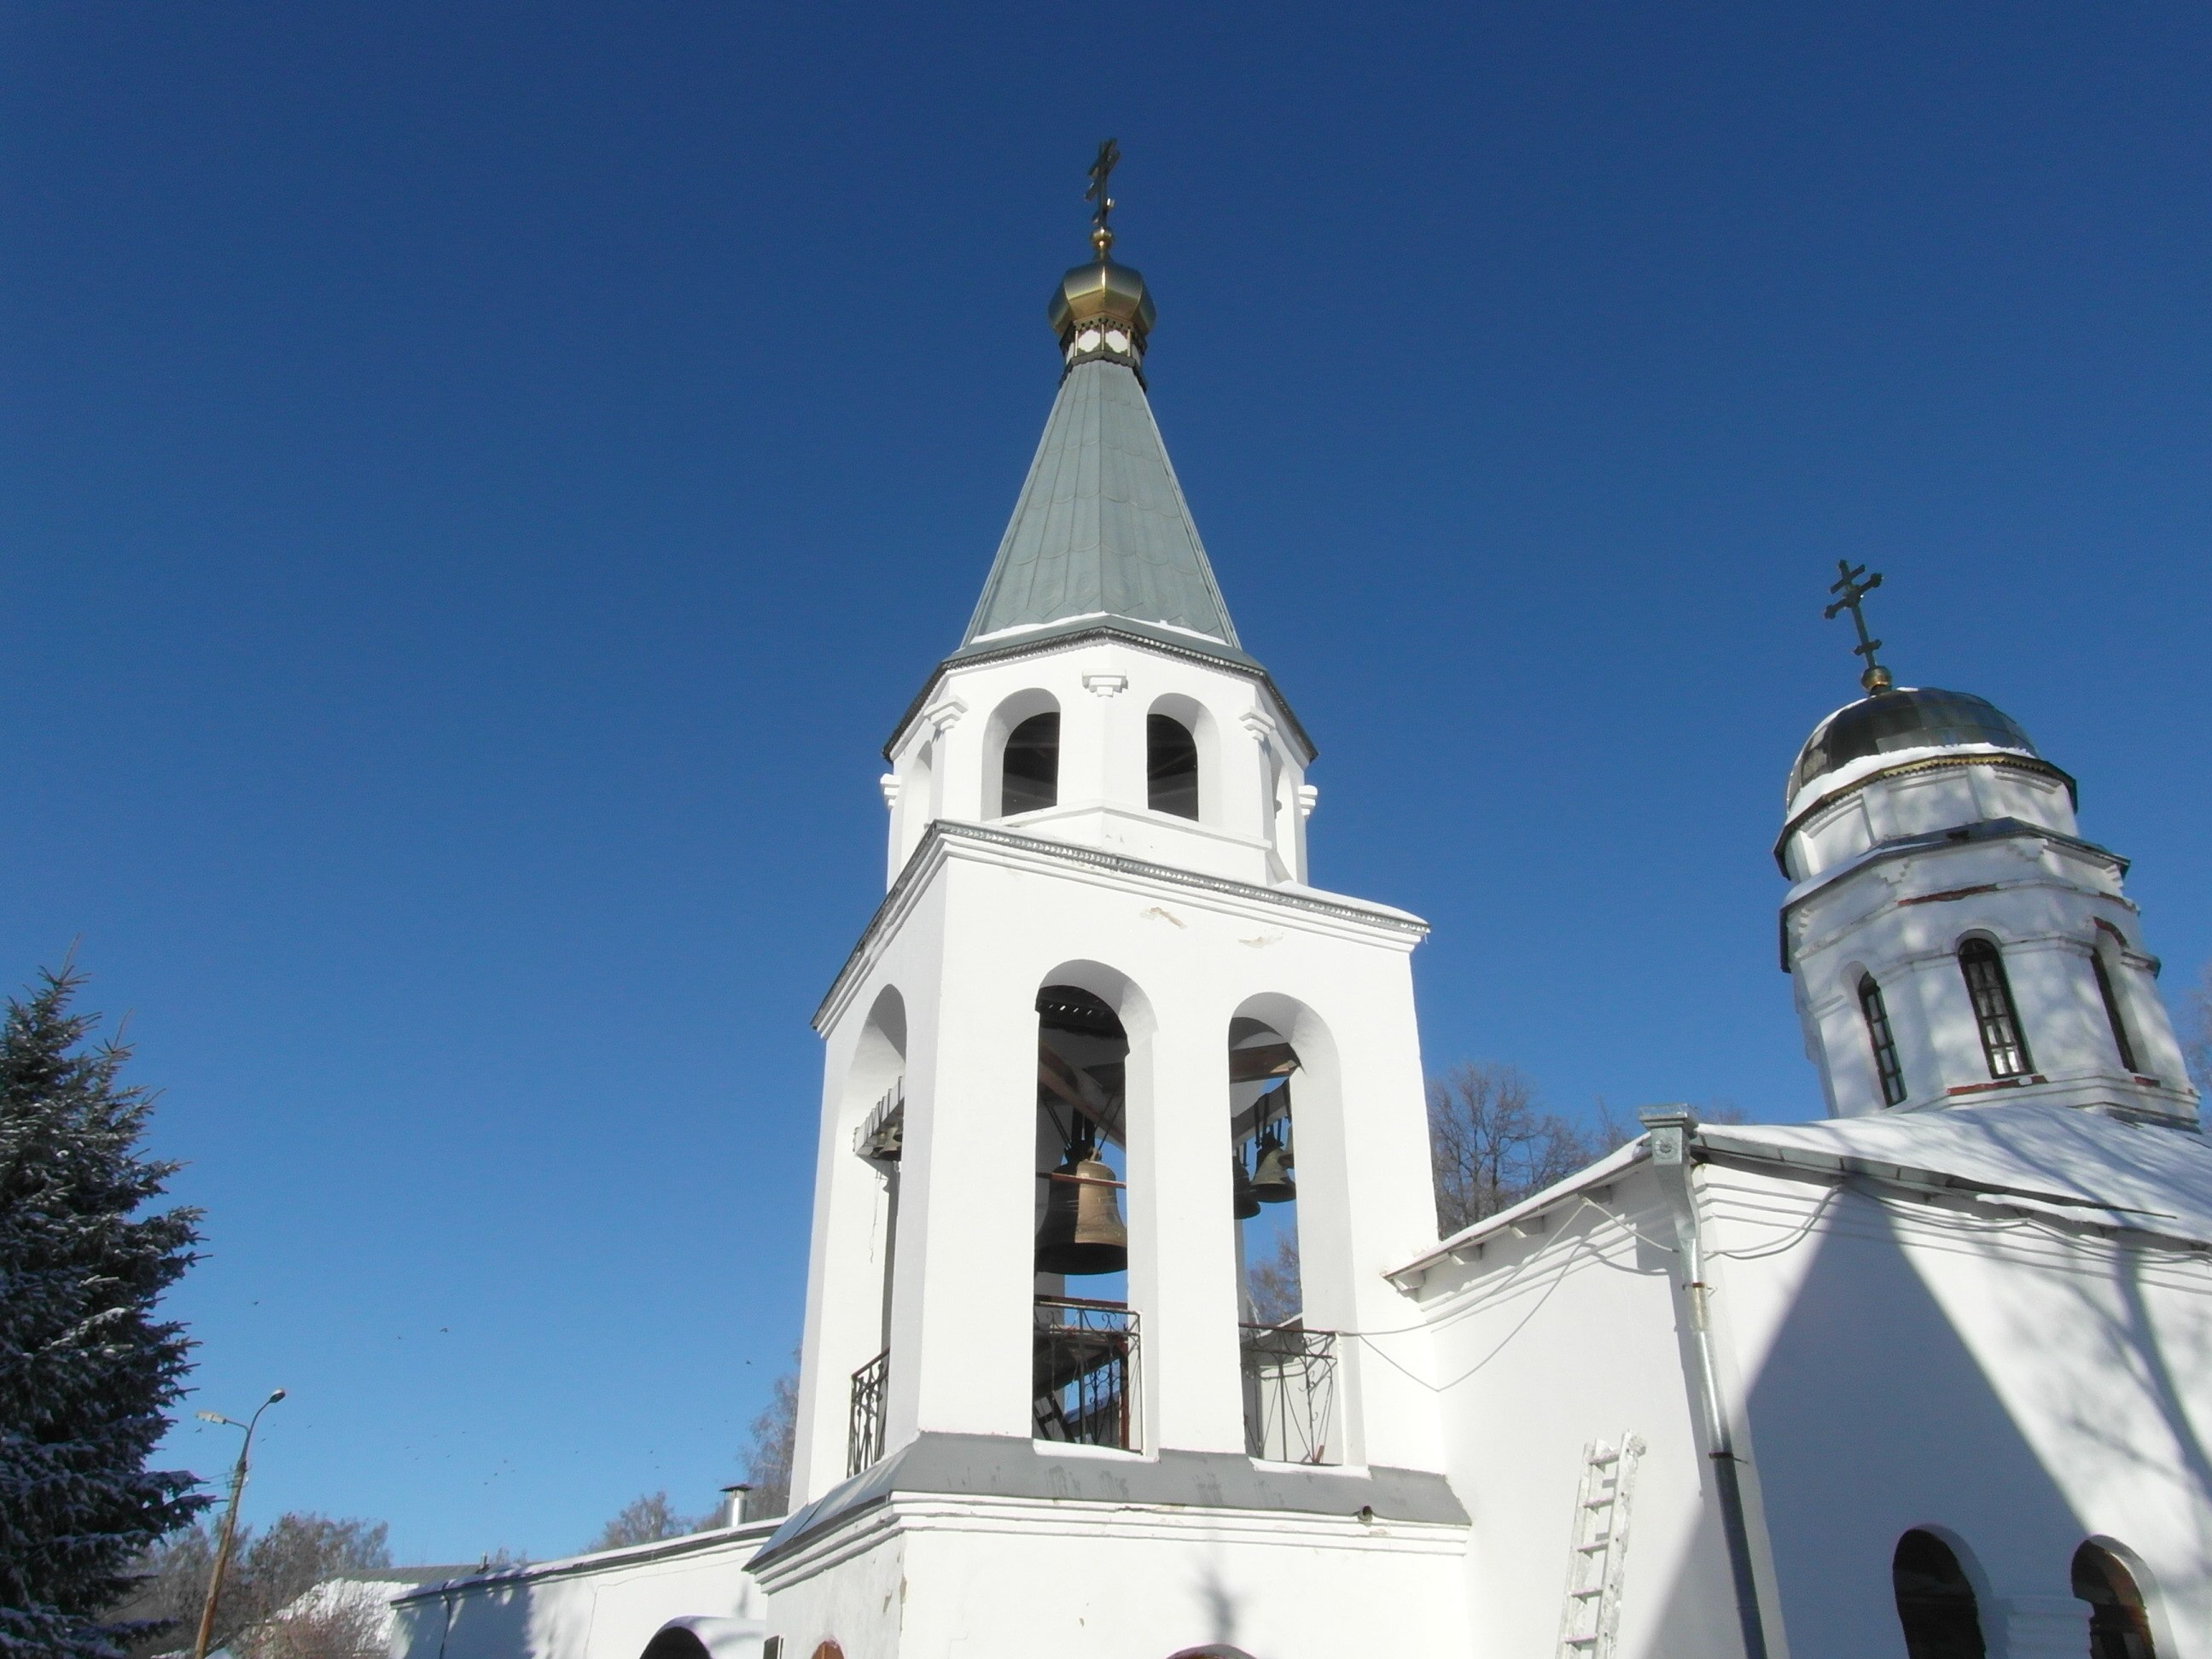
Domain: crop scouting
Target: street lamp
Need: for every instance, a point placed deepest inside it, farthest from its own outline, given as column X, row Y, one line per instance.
column 229, row 1518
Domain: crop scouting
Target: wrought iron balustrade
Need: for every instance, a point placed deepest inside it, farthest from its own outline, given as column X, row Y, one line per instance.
column 864, row 1440
column 1290, row 1394
column 1084, row 1372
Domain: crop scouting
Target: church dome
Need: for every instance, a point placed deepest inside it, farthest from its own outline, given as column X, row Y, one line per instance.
column 1876, row 732
column 1104, row 291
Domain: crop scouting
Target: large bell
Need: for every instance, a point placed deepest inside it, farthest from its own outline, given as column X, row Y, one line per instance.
column 1240, row 1186
column 1271, row 1182
column 1082, row 1231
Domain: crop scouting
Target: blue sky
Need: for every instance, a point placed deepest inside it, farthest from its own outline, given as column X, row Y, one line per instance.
column 480, row 480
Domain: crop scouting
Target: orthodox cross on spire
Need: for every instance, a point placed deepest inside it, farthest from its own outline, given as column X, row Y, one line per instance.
column 1102, row 234
column 1854, row 592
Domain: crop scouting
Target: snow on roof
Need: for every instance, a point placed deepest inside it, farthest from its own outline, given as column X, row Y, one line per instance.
column 2108, row 1168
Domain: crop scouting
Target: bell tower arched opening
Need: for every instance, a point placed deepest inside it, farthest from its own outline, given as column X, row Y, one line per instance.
column 1021, row 756
column 873, row 1113
column 1028, row 779
column 1170, row 767
column 1083, row 1349
column 1289, row 1370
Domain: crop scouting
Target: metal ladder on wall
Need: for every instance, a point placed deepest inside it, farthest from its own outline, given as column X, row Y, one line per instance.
column 1590, row 1623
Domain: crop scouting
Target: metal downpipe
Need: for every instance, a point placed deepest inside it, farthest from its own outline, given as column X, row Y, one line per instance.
column 1672, row 1132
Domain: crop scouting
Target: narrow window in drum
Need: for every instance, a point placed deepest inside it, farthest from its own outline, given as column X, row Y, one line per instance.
column 2112, row 1011
column 1995, row 1015
column 1886, row 1064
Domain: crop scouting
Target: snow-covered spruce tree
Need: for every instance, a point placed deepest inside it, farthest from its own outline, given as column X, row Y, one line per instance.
column 87, row 1370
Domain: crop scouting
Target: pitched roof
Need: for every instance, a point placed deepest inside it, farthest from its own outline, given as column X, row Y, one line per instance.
column 1101, row 527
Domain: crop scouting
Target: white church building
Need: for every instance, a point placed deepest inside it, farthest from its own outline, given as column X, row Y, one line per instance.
column 1930, row 1378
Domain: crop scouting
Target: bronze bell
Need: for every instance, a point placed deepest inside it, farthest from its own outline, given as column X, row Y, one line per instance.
column 1082, row 1231
column 1240, row 1186
column 1271, row 1182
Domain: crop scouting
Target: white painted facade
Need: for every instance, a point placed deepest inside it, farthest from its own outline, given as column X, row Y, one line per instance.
column 1181, row 927
column 612, row 1604
column 1900, row 858
column 1918, row 1324
column 1687, row 1403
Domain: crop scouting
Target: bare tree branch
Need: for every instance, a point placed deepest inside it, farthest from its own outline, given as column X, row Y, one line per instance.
column 2196, row 1038
column 1491, row 1145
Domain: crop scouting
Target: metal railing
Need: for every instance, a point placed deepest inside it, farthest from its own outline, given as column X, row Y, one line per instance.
column 1290, row 1394
column 864, row 1440
column 1084, row 1372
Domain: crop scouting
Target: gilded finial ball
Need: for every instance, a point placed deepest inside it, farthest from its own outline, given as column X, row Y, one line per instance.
column 1101, row 291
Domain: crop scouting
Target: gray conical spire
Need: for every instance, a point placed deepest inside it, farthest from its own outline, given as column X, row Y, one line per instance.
column 1102, row 527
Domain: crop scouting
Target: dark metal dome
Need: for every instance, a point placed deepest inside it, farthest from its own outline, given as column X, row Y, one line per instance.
column 1890, row 721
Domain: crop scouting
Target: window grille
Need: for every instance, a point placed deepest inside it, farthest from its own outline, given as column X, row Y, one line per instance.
column 2112, row 1011
column 864, row 1443
column 1998, row 1020
column 1886, row 1064
column 1084, row 1372
column 1290, row 1394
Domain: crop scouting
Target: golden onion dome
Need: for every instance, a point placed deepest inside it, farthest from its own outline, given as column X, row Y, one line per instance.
column 1103, row 293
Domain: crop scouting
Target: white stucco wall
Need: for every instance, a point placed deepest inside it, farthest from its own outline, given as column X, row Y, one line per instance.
column 937, row 1579
column 2016, row 1384
column 2018, row 1374
column 1548, row 1340
column 605, row 1605
column 982, row 928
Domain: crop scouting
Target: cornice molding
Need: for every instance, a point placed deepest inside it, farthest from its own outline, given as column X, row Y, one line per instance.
column 2028, row 764
column 1105, row 629
column 939, row 843
column 1969, row 835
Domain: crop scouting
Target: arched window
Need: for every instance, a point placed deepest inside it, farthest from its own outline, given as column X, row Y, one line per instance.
column 2004, row 1044
column 1029, row 777
column 1885, row 1045
column 2119, row 1622
column 1934, row 1602
column 2112, row 1011
column 1170, row 767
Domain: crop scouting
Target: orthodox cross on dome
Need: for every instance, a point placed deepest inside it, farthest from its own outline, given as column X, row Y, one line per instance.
column 1102, row 234
column 1854, row 592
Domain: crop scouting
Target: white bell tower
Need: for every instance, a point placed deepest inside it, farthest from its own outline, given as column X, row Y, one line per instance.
column 1953, row 940
column 1040, row 1410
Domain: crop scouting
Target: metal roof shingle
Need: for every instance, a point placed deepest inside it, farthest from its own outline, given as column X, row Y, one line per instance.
column 1101, row 526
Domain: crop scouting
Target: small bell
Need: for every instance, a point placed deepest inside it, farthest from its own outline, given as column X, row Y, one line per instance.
column 1271, row 1182
column 1082, row 1231
column 1240, row 1185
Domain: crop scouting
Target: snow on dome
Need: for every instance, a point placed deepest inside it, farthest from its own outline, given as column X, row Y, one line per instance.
column 1890, row 727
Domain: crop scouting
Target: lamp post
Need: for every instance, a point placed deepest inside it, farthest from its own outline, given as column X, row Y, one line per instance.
column 229, row 1518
